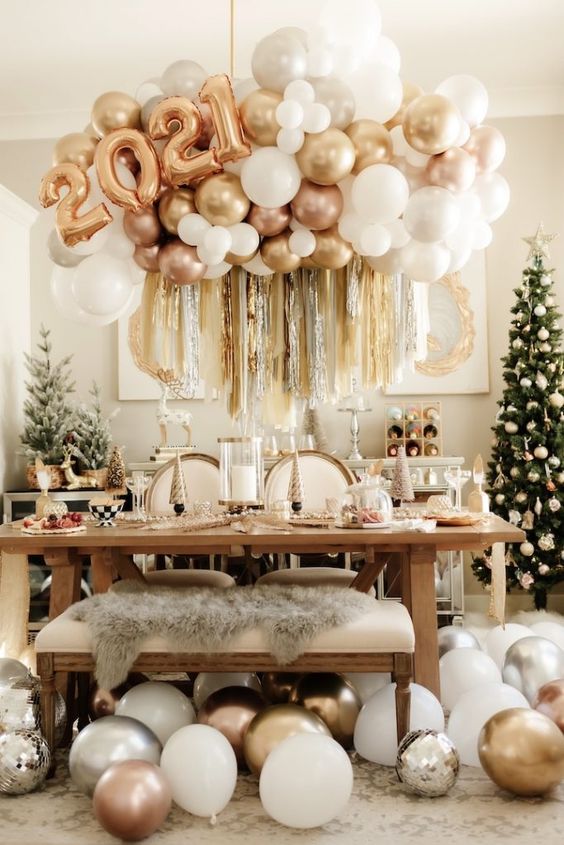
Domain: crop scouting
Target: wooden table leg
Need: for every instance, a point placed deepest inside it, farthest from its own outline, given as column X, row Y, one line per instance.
column 419, row 597
column 65, row 579
column 370, row 570
column 125, row 566
column 102, row 571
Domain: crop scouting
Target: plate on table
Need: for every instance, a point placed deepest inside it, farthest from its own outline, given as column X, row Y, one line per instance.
column 455, row 520
column 369, row 526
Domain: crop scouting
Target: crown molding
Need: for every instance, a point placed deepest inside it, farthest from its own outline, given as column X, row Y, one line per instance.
column 504, row 102
column 16, row 208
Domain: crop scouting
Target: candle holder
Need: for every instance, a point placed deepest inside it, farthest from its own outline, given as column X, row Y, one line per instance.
column 354, row 411
column 241, row 473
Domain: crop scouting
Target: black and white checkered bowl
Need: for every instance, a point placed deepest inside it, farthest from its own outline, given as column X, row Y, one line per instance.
column 105, row 513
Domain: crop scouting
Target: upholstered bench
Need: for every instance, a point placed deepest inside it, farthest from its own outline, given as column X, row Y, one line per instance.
column 381, row 640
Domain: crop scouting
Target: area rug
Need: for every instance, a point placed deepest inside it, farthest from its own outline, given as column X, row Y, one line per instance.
column 380, row 812
column 205, row 619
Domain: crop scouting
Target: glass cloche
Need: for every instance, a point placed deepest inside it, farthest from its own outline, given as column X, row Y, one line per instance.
column 366, row 503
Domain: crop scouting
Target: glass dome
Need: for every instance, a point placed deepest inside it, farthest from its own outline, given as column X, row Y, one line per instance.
column 366, row 502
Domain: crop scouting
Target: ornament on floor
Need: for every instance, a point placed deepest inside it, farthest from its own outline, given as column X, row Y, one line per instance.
column 531, row 662
column 231, row 710
column 546, row 542
column 177, row 496
column 296, row 485
column 274, row 724
column 331, row 697
column 20, row 707
column 528, row 518
column 554, row 504
column 522, row 751
column 478, row 500
column 132, row 799
column 427, row 763
column 115, row 480
column 549, row 701
column 538, row 506
column 24, row 761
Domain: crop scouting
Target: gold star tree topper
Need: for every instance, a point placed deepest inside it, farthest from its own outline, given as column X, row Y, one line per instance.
column 538, row 243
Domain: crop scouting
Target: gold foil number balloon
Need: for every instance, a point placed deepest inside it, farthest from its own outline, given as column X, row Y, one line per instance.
column 72, row 227
column 218, row 94
column 180, row 118
column 148, row 180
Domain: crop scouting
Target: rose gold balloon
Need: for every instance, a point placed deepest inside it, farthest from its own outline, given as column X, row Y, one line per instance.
column 258, row 116
column 331, row 250
column 431, row 124
column 115, row 110
column 274, row 724
column 410, row 93
column 331, row 697
column 269, row 221
column 317, row 206
column 372, row 143
column 180, row 264
column 147, row 257
column 132, row 799
column 142, row 227
column 173, row 205
column 277, row 686
column 454, row 169
column 276, row 253
column 326, row 157
column 549, row 700
column 231, row 710
column 221, row 199
column 77, row 148
column 208, row 130
column 127, row 158
column 522, row 751
column 486, row 145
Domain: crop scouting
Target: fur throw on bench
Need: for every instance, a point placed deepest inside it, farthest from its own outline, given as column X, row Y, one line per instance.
column 204, row 619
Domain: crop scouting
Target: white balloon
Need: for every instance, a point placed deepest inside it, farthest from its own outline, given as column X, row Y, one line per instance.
column 399, row 144
column 458, row 258
column 472, row 711
column 415, row 158
column 289, row 114
column 499, row 639
column 208, row 682
column 102, row 284
column 390, row 263
column 137, row 273
column 192, row 228
column 209, row 256
column 319, row 62
column 257, row 266
column 350, row 226
column 431, row 214
column 549, row 630
column 61, row 291
column 306, row 781
column 217, row 240
column 398, row 234
column 146, row 91
column 378, row 92
column 355, row 26
column 317, row 118
column 387, row 53
column 463, row 135
column 218, row 270
column 380, row 193
column 481, row 235
column 493, row 192
column 295, row 225
column 301, row 91
column 162, row 707
column 60, row 253
column 375, row 735
column 289, row 141
column 94, row 244
column 302, row 242
column 243, row 87
column 463, row 669
column 183, row 78
column 270, row 177
column 277, row 60
column 118, row 244
column 468, row 94
column 469, row 205
column 374, row 239
column 424, row 262
column 244, row 238
column 367, row 683
column 201, row 767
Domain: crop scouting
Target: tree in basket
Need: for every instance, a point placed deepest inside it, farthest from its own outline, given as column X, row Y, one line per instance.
column 48, row 413
column 93, row 433
column 402, row 488
column 115, row 481
column 525, row 477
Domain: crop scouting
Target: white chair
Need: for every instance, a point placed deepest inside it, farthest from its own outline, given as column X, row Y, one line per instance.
column 189, row 578
column 201, row 475
column 312, row 576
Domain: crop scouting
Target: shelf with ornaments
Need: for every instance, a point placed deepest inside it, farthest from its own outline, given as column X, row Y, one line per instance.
column 415, row 425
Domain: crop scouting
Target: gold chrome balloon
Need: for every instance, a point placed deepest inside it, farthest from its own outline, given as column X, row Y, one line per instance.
column 331, row 697
column 272, row 725
column 331, row 251
column 258, row 117
column 221, row 199
column 431, row 124
column 173, row 205
column 372, row 143
column 326, row 157
column 77, row 148
column 115, row 110
column 410, row 93
column 277, row 686
column 239, row 260
column 276, row 253
column 522, row 751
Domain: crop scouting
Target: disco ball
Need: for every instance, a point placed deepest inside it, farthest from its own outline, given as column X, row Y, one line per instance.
column 24, row 761
column 427, row 763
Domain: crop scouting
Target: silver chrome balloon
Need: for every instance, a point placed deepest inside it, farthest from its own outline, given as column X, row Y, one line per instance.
column 11, row 670
column 453, row 636
column 24, row 761
column 427, row 763
column 532, row 662
column 106, row 741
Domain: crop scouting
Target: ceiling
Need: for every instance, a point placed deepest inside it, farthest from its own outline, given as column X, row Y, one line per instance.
column 57, row 56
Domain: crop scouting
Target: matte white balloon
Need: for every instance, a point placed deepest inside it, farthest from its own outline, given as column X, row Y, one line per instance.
column 320, row 62
column 458, row 258
column 367, row 683
column 387, row 53
column 277, row 60
column 243, row 87
column 306, row 781
column 301, row 91
column 102, row 284
column 468, row 94
column 552, row 631
column 356, row 25
column 60, row 253
column 380, row 193
column 499, row 639
column 398, row 233
column 192, row 228
column 482, row 235
column 270, row 177
column 431, row 214
column 425, row 262
column 244, row 238
column 218, row 270
column 118, row 244
column 463, row 669
column 289, row 114
column 389, row 263
column 350, row 226
column 416, row 159
column 160, row 706
column 257, row 266
column 218, row 240
column 378, row 92
column 183, row 78
column 209, row 256
column 399, row 144
column 94, row 244
column 289, row 141
column 374, row 239
column 146, row 91
column 63, row 297
column 317, row 118
column 494, row 194
column 338, row 97
column 302, row 242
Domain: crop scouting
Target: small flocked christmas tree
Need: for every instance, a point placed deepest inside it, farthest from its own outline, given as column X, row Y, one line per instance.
column 115, row 482
column 402, row 488
column 296, row 485
column 311, row 424
column 49, row 415
column 178, row 487
column 525, row 475
column 93, row 433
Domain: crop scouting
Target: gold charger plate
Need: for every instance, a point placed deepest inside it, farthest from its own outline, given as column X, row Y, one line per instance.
column 456, row 520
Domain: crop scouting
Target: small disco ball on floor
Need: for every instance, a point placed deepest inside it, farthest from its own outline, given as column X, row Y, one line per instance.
column 427, row 763
column 24, row 761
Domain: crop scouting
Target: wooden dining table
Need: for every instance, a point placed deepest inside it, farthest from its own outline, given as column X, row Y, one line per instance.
column 110, row 553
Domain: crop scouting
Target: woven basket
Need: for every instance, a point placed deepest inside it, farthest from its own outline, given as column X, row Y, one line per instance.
column 57, row 477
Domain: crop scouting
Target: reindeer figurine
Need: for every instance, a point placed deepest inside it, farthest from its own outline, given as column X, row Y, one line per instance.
column 75, row 482
column 171, row 386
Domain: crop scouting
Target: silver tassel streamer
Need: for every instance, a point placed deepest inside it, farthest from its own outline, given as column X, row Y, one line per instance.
column 317, row 358
column 354, row 268
column 190, row 299
column 292, row 317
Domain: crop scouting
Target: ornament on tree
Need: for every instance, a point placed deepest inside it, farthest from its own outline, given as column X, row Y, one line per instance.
column 528, row 521
column 527, row 549
column 553, row 504
column 554, row 461
column 402, row 488
column 526, row 382
column 546, row 542
column 511, row 427
column 545, row 347
column 177, row 496
column 528, row 457
column 544, row 569
column 296, row 485
column 115, row 481
column 541, row 452
column 500, row 498
column 514, row 517
column 521, row 497
column 539, row 310
column 549, row 301
column 517, row 343
column 514, row 472
column 541, row 381
column 538, row 507
column 556, row 399
column 531, row 425
column 531, row 405
column 533, row 476
column 550, row 485
column 543, row 334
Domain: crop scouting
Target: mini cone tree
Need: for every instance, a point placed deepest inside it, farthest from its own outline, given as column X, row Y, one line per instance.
column 296, row 485
column 178, row 487
column 115, row 482
column 402, row 488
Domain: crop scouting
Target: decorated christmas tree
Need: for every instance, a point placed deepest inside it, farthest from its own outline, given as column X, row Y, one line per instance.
column 526, row 477
column 311, row 424
column 402, row 488
column 93, row 432
column 296, row 485
column 115, row 482
column 49, row 415
column 178, row 487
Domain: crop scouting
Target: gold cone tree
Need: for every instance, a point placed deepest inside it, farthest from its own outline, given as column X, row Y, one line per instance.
column 178, row 487
column 115, row 482
column 296, row 485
